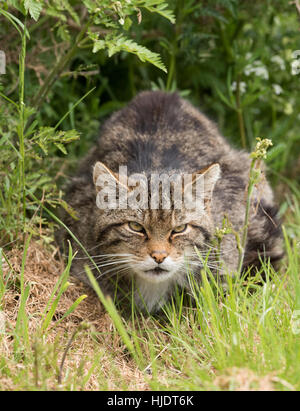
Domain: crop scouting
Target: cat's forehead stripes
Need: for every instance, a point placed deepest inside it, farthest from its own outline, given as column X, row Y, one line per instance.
column 159, row 220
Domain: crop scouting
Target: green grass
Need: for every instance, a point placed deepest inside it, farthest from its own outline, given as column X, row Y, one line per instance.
column 212, row 341
column 244, row 338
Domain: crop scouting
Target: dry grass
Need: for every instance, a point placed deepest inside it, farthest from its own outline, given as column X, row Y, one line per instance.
column 101, row 339
column 186, row 354
column 243, row 379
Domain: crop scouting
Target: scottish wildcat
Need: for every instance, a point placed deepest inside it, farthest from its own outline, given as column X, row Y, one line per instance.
column 160, row 132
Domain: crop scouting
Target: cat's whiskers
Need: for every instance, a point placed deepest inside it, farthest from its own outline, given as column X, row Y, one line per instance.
column 97, row 266
column 118, row 272
column 216, row 250
column 100, row 265
column 101, row 273
column 204, row 253
column 200, row 264
column 102, row 256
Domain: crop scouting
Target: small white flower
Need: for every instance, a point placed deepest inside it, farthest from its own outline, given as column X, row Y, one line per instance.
column 258, row 69
column 248, row 70
column 277, row 89
column 243, row 86
column 296, row 54
column 261, row 148
column 278, row 60
column 295, row 64
column 262, row 72
column 121, row 21
column 295, row 67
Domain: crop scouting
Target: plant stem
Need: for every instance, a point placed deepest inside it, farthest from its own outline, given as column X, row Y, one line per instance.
column 81, row 326
column 177, row 27
column 57, row 70
column 171, row 70
column 9, row 100
column 21, row 125
column 59, row 377
column 240, row 114
column 242, row 245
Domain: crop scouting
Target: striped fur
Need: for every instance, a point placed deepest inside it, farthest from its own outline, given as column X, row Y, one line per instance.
column 160, row 132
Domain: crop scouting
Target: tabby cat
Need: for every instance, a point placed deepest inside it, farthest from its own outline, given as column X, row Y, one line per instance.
column 154, row 249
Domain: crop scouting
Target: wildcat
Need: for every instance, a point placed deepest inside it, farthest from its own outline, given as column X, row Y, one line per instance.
column 161, row 132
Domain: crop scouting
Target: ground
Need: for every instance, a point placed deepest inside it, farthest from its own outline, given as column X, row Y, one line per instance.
column 96, row 356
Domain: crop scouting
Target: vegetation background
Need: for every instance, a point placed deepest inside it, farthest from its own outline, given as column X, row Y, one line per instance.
column 70, row 64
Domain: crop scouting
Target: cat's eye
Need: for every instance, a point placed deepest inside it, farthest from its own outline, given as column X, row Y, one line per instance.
column 134, row 226
column 179, row 229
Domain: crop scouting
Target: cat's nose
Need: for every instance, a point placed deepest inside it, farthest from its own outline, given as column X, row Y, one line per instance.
column 159, row 256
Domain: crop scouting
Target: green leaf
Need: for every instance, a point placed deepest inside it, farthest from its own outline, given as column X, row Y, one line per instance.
column 121, row 43
column 46, row 136
column 34, row 7
column 224, row 99
column 160, row 7
column 98, row 45
column 15, row 22
column 71, row 11
column 18, row 5
column 127, row 23
column 61, row 148
column 71, row 309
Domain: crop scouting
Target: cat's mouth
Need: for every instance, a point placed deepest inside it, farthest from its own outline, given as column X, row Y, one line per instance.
column 156, row 275
column 157, row 271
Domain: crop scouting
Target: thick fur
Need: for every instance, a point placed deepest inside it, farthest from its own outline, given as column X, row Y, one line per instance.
column 158, row 131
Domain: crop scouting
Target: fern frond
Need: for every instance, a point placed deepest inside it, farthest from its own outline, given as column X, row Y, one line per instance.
column 34, row 7
column 160, row 7
column 115, row 44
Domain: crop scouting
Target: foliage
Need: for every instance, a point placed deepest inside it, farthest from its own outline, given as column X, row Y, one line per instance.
column 69, row 65
column 26, row 139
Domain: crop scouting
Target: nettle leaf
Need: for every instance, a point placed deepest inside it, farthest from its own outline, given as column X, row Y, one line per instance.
column 34, row 7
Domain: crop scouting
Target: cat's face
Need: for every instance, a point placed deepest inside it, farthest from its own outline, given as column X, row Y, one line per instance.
column 155, row 245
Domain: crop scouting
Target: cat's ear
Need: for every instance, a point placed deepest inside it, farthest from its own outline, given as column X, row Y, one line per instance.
column 102, row 174
column 203, row 182
column 210, row 175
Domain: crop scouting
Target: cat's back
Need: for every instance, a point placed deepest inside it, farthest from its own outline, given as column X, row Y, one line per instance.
column 158, row 130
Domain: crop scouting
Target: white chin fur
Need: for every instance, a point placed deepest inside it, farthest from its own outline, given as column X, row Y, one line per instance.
column 151, row 291
column 155, row 278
